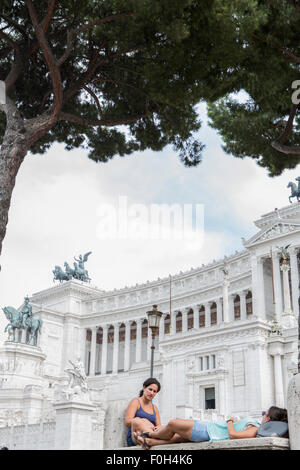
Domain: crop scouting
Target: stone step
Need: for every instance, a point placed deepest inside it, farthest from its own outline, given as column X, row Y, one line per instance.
column 258, row 443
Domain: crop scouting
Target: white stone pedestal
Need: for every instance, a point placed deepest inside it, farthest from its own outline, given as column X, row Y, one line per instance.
column 184, row 412
column 288, row 320
column 293, row 407
column 276, row 344
column 74, row 424
column 21, row 365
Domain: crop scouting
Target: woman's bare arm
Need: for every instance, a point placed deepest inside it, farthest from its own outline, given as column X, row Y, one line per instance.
column 131, row 410
column 249, row 432
column 157, row 421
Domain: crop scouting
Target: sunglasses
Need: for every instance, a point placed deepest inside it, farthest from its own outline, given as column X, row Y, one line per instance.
column 264, row 413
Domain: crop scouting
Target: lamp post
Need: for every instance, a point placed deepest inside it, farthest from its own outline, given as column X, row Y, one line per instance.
column 153, row 323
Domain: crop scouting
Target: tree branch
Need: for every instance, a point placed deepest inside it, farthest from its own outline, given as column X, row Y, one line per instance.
column 14, row 72
column 49, row 57
column 278, row 144
column 94, row 96
column 98, row 123
column 47, row 19
column 285, row 148
column 86, row 27
column 289, row 125
column 283, row 51
column 293, row 2
column 93, row 65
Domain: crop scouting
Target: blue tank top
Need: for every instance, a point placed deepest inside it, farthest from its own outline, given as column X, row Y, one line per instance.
column 140, row 413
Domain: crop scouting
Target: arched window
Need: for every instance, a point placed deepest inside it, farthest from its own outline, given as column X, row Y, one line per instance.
column 237, row 307
column 190, row 319
column 213, row 313
column 178, row 322
column 167, row 324
column 202, row 316
column 249, row 308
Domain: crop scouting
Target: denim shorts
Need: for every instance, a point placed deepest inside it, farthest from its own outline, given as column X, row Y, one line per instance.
column 199, row 432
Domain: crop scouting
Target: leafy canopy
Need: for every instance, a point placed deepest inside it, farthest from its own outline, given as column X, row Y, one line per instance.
column 102, row 64
column 262, row 122
column 79, row 71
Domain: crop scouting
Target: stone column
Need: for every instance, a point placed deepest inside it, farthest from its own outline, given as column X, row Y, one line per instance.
column 207, row 314
column 285, row 268
column 262, row 306
column 138, row 351
column 231, row 307
column 293, row 408
column 288, row 319
column 295, row 280
column 258, row 291
column 93, row 350
column 173, row 323
column 83, row 345
column 219, row 311
column 276, row 344
column 243, row 309
column 225, row 301
column 162, row 328
column 184, row 313
column 277, row 286
column 149, row 341
column 116, row 348
column 127, row 347
column 278, row 381
column 221, row 397
column 104, row 350
column 190, row 384
column 196, row 317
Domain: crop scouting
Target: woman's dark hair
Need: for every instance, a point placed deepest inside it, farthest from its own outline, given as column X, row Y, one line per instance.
column 150, row 382
column 277, row 414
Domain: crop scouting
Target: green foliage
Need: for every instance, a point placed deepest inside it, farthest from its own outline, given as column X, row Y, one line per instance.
column 153, row 67
column 146, row 79
column 264, row 72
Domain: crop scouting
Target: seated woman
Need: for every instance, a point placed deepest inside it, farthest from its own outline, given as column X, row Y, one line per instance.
column 197, row 431
column 142, row 416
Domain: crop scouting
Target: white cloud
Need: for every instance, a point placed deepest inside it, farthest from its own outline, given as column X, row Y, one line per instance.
column 53, row 216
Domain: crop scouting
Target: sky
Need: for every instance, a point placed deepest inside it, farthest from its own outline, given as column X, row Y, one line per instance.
column 58, row 205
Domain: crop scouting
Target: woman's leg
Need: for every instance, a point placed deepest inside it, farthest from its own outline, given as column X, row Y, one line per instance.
column 140, row 424
column 158, row 442
column 182, row 427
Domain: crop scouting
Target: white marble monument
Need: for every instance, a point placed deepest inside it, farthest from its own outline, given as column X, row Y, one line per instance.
column 217, row 353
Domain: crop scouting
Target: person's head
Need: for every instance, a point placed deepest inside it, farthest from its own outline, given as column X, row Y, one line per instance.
column 150, row 388
column 275, row 414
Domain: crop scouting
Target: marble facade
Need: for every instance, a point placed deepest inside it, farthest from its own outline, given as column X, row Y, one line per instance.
column 217, row 352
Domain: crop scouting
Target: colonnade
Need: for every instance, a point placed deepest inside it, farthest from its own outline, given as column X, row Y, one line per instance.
column 285, row 280
column 137, row 334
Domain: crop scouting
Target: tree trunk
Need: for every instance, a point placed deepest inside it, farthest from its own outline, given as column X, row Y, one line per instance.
column 12, row 154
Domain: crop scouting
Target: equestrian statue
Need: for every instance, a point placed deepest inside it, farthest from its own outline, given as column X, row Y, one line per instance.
column 23, row 319
column 295, row 191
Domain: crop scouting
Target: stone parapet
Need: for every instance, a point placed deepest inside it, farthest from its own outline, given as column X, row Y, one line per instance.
column 259, row 443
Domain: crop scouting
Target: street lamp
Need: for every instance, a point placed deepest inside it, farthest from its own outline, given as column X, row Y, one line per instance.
column 153, row 323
